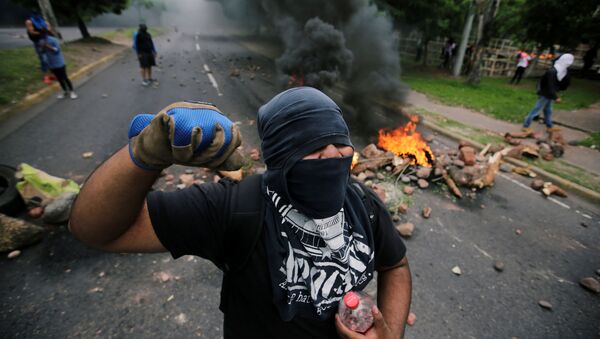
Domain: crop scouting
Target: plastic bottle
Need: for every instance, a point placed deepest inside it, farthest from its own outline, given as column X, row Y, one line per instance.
column 355, row 311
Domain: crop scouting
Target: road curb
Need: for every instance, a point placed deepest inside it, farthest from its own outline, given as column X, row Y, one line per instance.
column 43, row 93
column 579, row 190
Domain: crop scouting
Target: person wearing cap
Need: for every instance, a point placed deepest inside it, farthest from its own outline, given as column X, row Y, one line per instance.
column 556, row 79
column 318, row 239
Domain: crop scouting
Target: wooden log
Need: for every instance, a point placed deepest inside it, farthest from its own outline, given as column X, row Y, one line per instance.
column 451, row 185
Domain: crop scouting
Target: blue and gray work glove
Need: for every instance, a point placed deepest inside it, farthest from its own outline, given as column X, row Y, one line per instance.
column 185, row 133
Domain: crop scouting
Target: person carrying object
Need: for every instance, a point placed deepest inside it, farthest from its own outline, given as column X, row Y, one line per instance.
column 290, row 242
column 555, row 79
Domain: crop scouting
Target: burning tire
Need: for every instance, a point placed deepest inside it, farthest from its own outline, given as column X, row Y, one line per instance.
column 11, row 202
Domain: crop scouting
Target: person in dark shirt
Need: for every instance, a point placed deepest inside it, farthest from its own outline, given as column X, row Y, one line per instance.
column 555, row 79
column 317, row 241
column 144, row 47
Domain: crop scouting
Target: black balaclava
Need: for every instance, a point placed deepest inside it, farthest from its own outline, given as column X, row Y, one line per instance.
column 318, row 241
column 296, row 123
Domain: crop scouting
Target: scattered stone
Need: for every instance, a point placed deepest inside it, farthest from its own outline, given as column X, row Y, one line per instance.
column 59, row 210
column 405, row 179
column 591, row 284
column 584, row 224
column 36, row 212
column 186, row 179
column 395, row 218
column 412, row 318
column 255, row 154
column 104, row 95
column 518, row 231
column 423, row 183
column 96, row 290
column 438, row 172
column 171, row 297
column 499, row 266
column 456, row 270
column 369, row 174
column 537, row 184
column 13, row 254
column 413, row 178
column 101, row 274
column 408, row 190
column 380, row 191
column 369, row 183
column 169, row 177
column 388, row 168
column 180, row 319
column 361, row 177
column 467, row 155
column 482, row 206
column 424, row 172
column 87, row 155
column 163, row 277
column 406, row 229
column 507, row 168
column 403, row 208
column 426, row 212
column 380, row 176
column 545, row 304
column 16, row 233
column 458, row 163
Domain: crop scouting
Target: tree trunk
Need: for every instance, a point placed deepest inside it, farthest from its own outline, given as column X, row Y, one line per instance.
column 486, row 24
column 425, row 49
column 464, row 41
column 83, row 28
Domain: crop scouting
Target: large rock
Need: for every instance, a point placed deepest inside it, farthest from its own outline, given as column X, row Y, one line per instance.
column 58, row 211
column 467, row 155
column 406, row 229
column 424, row 172
column 16, row 233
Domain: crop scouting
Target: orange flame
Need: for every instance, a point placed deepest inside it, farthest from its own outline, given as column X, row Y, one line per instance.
column 355, row 158
column 406, row 142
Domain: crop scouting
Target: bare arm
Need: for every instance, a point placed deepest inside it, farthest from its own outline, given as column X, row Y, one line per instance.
column 29, row 26
column 394, row 289
column 110, row 212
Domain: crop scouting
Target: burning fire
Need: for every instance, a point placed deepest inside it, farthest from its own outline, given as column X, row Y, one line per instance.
column 406, row 142
column 355, row 158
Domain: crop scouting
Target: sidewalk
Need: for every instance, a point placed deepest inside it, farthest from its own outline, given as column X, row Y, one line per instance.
column 586, row 119
column 579, row 156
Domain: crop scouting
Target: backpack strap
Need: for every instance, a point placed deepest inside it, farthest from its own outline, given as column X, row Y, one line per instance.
column 245, row 222
column 367, row 202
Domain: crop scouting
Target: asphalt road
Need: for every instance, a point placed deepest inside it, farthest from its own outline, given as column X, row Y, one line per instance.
column 59, row 288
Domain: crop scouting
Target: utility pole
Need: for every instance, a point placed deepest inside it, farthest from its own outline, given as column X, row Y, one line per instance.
column 463, row 43
column 48, row 14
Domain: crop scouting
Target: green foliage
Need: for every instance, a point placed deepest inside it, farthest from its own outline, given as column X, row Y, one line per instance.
column 563, row 22
column 592, row 141
column 72, row 10
column 432, row 18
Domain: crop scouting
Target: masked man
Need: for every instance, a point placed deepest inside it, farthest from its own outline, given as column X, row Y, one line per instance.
column 317, row 240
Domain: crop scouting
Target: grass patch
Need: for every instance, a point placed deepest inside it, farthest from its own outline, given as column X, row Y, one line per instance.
column 495, row 96
column 20, row 72
column 468, row 132
column 592, row 141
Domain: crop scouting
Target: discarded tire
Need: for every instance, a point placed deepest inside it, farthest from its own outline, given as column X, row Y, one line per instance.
column 11, row 202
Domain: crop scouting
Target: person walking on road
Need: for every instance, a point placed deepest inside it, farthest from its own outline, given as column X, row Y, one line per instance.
column 311, row 235
column 144, row 47
column 555, row 79
column 522, row 63
column 56, row 63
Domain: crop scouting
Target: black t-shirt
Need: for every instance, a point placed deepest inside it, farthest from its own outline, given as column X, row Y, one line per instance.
column 191, row 222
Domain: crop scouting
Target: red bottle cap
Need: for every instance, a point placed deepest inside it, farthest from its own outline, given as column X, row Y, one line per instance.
column 351, row 300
